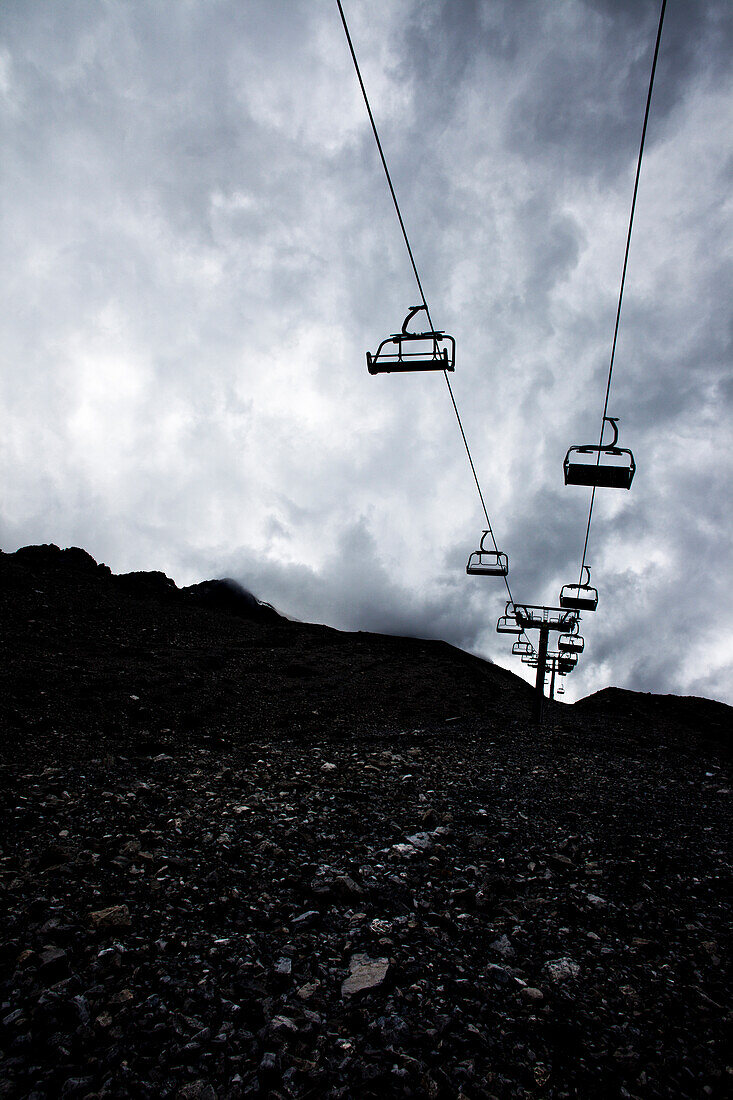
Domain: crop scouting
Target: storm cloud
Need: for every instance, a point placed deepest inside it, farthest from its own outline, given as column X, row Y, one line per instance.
column 199, row 246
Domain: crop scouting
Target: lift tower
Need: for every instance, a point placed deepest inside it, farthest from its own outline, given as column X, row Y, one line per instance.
column 545, row 619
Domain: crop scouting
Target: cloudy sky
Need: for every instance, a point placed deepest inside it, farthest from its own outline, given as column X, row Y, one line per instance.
column 198, row 247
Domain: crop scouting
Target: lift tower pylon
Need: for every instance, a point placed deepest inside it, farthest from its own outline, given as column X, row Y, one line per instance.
column 539, row 686
column 544, row 619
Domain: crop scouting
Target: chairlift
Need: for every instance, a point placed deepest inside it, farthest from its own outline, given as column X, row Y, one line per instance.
column 507, row 623
column 581, row 597
column 413, row 351
column 568, row 662
column 487, row 563
column 560, row 690
column 612, row 468
column 523, row 649
column 570, row 643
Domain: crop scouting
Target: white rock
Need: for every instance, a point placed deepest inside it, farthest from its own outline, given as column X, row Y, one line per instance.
column 306, row 991
column 423, row 841
column 364, row 973
column 403, row 851
column 283, row 1023
column 503, row 947
column 562, row 969
column 380, row 927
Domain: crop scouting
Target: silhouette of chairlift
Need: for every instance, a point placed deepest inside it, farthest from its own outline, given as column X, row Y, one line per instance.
column 487, row 563
column 507, row 623
column 413, row 351
column 581, row 597
column 570, row 643
column 523, row 649
column 617, row 472
column 560, row 690
column 567, row 663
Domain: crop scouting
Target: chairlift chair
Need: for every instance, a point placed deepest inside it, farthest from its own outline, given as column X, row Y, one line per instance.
column 570, row 643
column 507, row 623
column 413, row 351
column 560, row 690
column 523, row 649
column 487, row 563
column 612, row 468
column 581, row 597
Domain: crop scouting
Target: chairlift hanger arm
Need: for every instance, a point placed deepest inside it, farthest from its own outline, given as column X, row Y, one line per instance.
column 410, row 315
column 613, row 421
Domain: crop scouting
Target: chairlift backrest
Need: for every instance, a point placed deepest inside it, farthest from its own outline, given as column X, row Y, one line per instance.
column 613, row 467
column 413, row 351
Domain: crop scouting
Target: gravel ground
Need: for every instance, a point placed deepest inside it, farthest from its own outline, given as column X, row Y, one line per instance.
column 456, row 905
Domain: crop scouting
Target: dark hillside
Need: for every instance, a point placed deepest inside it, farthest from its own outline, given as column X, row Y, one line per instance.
column 132, row 659
column 682, row 715
column 246, row 857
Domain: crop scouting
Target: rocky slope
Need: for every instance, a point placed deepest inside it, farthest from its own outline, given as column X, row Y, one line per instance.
column 133, row 659
column 686, row 716
column 246, row 857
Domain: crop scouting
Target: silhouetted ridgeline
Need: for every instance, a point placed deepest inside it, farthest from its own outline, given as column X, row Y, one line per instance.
column 134, row 660
column 677, row 713
column 224, row 595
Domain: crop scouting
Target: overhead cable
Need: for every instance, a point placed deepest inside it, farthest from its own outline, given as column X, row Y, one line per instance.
column 623, row 276
column 417, row 276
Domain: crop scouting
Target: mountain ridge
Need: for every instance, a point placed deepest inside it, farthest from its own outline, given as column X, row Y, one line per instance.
column 134, row 655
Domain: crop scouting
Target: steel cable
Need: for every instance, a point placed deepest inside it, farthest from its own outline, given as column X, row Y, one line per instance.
column 623, row 279
column 417, row 279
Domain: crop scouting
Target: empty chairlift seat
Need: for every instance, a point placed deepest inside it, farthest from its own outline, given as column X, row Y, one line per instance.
column 581, row 597
column 570, row 643
column 487, row 563
column 522, row 649
column 413, row 351
column 607, row 466
column 507, row 623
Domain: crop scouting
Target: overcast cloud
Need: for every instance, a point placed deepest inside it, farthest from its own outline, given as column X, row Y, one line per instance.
column 199, row 247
